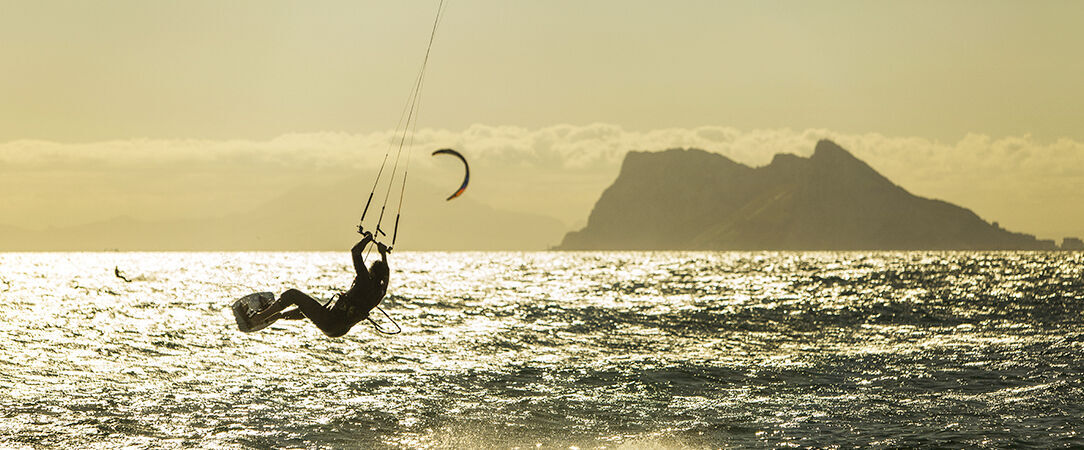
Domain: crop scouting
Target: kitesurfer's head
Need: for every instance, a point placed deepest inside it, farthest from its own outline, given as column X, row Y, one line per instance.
column 379, row 270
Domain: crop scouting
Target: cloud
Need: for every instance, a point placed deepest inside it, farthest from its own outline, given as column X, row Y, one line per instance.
column 1025, row 183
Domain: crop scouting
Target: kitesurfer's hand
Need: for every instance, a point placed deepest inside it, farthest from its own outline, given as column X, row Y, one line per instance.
column 382, row 248
column 361, row 230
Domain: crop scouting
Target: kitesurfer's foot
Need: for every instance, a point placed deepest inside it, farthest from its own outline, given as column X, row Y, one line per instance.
column 264, row 315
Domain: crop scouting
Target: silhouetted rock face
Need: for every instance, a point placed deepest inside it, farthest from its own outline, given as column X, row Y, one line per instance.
column 695, row 200
column 1072, row 243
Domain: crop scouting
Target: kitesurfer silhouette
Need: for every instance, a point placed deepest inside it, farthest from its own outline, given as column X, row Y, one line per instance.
column 369, row 287
column 116, row 271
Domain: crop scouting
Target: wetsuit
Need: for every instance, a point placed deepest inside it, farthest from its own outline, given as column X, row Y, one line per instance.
column 352, row 307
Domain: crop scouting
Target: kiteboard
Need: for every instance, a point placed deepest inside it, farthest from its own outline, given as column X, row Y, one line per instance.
column 247, row 311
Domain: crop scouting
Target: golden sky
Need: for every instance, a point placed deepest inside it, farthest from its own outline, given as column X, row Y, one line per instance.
column 114, row 69
column 151, row 108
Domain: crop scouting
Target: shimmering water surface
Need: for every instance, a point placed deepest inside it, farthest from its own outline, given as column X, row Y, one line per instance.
column 551, row 350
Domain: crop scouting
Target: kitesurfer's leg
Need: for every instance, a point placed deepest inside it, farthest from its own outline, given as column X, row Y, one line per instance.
column 287, row 299
column 330, row 322
column 293, row 314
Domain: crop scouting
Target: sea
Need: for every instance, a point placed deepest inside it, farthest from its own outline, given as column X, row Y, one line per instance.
column 555, row 350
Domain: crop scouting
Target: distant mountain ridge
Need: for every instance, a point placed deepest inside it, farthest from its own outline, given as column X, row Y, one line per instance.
column 313, row 217
column 696, row 200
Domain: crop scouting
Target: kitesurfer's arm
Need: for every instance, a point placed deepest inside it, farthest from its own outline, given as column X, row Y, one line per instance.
column 358, row 254
column 383, row 251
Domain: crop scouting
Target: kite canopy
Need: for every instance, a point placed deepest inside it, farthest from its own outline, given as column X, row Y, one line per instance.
column 466, row 168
